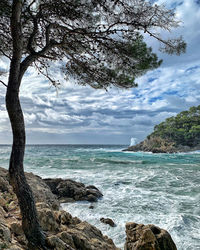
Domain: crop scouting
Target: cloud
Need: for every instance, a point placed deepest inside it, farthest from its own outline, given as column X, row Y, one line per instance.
column 82, row 115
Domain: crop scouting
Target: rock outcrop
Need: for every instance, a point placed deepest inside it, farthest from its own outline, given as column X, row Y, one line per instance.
column 147, row 237
column 41, row 190
column 159, row 145
column 63, row 231
column 180, row 133
column 154, row 145
column 69, row 190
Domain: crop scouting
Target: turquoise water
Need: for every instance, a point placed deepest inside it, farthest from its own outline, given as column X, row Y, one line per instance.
column 161, row 189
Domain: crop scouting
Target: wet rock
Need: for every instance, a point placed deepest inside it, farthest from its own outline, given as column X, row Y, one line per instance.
column 91, row 207
column 69, row 189
column 108, row 221
column 92, row 198
column 147, row 237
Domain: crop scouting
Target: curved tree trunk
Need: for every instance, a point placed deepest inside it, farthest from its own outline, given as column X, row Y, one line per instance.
column 30, row 223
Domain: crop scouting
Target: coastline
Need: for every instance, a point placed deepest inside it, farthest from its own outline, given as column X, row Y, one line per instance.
column 62, row 229
column 133, row 184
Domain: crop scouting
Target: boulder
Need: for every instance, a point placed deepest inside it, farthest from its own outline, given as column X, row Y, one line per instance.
column 69, row 190
column 147, row 237
column 108, row 221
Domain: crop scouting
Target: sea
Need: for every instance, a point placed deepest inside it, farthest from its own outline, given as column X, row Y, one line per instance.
column 160, row 189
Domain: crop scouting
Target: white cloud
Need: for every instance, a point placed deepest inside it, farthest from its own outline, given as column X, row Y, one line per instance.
column 83, row 115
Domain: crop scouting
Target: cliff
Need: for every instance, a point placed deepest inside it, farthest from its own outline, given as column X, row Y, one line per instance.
column 176, row 134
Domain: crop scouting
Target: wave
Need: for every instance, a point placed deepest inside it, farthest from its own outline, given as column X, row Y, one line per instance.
column 114, row 161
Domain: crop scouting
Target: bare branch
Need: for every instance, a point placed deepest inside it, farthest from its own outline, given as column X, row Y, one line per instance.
column 4, row 54
column 46, row 74
column 3, row 83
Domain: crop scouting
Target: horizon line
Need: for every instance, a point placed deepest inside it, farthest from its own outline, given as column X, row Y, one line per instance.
column 60, row 144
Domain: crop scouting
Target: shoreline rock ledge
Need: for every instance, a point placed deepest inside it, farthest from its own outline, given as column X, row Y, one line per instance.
column 63, row 231
column 69, row 190
column 147, row 237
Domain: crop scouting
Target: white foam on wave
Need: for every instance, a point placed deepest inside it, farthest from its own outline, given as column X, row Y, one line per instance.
column 161, row 189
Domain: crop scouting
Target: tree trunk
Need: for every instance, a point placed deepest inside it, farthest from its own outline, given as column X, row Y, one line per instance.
column 30, row 223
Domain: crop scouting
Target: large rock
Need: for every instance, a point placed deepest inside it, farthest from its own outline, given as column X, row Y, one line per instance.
column 69, row 190
column 67, row 232
column 147, row 237
column 62, row 229
column 41, row 191
column 154, row 145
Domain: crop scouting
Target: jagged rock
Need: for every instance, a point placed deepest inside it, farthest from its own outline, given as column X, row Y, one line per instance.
column 56, row 243
column 88, row 237
column 48, row 220
column 63, row 230
column 16, row 228
column 41, row 191
column 2, row 213
column 5, row 234
column 67, row 238
column 108, row 221
column 69, row 190
column 147, row 237
column 15, row 247
column 64, row 217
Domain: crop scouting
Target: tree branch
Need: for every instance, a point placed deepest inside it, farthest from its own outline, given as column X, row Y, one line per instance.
column 34, row 32
column 4, row 84
column 3, row 53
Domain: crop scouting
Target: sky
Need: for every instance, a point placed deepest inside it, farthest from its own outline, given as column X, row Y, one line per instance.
column 81, row 115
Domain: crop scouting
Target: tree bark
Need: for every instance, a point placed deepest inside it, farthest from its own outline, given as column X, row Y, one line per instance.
column 30, row 224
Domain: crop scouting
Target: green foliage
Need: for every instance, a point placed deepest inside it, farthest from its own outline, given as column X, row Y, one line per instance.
column 96, row 43
column 183, row 129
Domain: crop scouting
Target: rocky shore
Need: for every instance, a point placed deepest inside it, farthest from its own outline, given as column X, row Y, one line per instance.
column 62, row 229
column 159, row 145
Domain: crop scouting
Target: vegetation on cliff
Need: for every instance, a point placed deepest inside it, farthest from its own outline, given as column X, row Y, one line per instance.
column 177, row 133
column 182, row 129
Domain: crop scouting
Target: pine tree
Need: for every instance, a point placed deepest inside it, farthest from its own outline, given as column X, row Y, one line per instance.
column 95, row 42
